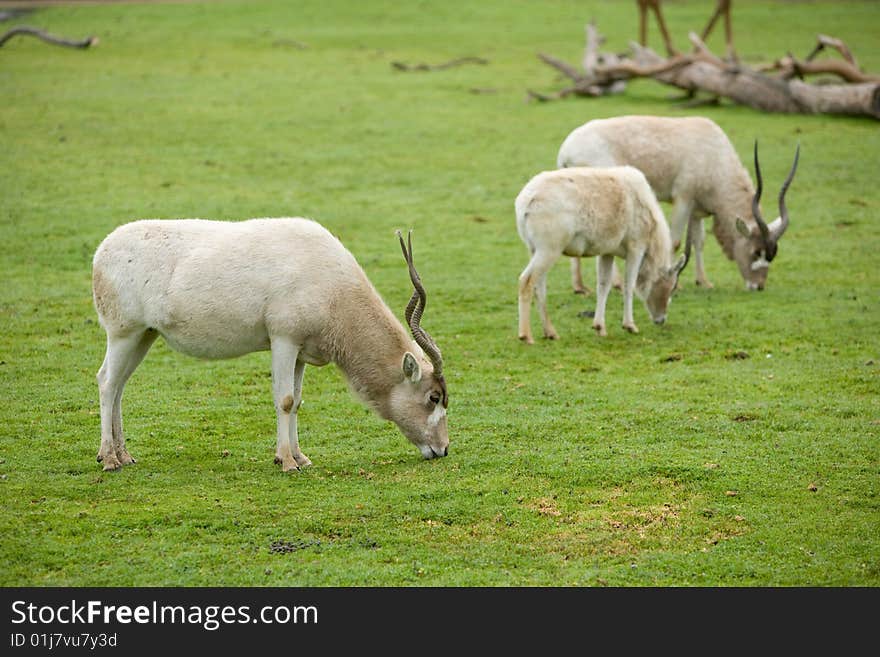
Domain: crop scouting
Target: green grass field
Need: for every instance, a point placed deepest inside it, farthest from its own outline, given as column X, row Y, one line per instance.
column 659, row 459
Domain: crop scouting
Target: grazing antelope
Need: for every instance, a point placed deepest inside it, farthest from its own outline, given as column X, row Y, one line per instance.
column 588, row 211
column 217, row 289
column 690, row 162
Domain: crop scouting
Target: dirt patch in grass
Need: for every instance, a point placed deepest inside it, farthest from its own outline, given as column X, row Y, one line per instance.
column 282, row 546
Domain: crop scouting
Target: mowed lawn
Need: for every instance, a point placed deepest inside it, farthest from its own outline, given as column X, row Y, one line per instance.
column 737, row 445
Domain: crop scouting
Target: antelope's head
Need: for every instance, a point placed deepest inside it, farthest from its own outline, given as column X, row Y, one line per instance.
column 659, row 296
column 418, row 404
column 755, row 253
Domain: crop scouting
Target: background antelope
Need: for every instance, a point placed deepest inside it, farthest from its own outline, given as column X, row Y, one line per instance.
column 690, row 162
column 218, row 289
column 722, row 9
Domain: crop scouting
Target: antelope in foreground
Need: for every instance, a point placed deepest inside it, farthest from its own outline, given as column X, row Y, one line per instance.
column 595, row 211
column 690, row 162
column 217, row 289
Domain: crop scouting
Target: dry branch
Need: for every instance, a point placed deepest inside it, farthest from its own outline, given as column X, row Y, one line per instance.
column 630, row 69
column 593, row 81
column 401, row 66
column 48, row 38
column 790, row 67
column 786, row 92
column 849, row 70
column 824, row 41
column 562, row 67
column 591, row 50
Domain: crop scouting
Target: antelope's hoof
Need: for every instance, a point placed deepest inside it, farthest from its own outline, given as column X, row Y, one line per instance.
column 704, row 283
column 526, row 339
column 632, row 328
column 124, row 457
column 303, row 461
column 552, row 335
column 600, row 329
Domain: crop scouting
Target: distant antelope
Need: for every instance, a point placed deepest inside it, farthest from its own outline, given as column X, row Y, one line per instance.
column 722, row 8
column 690, row 162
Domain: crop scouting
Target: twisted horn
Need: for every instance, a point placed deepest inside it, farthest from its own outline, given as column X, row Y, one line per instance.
column 783, row 211
column 756, row 200
column 687, row 250
column 414, row 310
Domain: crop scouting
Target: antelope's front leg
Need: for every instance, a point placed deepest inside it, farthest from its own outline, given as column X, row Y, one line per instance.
column 284, row 365
column 698, row 238
column 293, row 436
column 604, row 267
column 633, row 264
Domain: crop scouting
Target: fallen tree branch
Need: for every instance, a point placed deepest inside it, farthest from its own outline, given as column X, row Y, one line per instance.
column 562, row 67
column 790, row 67
column 543, row 98
column 401, row 66
column 703, row 52
column 631, row 69
column 591, row 49
column 48, row 38
column 825, row 41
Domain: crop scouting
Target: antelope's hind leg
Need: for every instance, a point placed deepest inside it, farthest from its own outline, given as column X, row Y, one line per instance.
column 577, row 280
column 123, row 356
column 534, row 280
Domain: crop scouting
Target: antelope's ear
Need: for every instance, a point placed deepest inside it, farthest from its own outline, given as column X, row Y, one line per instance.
column 743, row 228
column 411, row 368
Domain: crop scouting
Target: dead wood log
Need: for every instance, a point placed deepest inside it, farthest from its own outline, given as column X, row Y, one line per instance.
column 48, row 38
column 702, row 71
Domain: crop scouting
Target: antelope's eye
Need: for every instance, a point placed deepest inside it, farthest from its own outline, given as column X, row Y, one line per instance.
column 435, row 397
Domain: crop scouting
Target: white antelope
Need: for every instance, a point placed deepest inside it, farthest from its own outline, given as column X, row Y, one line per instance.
column 217, row 289
column 690, row 162
column 602, row 212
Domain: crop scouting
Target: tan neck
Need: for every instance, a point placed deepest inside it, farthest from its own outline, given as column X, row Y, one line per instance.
column 736, row 201
column 659, row 253
column 368, row 344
